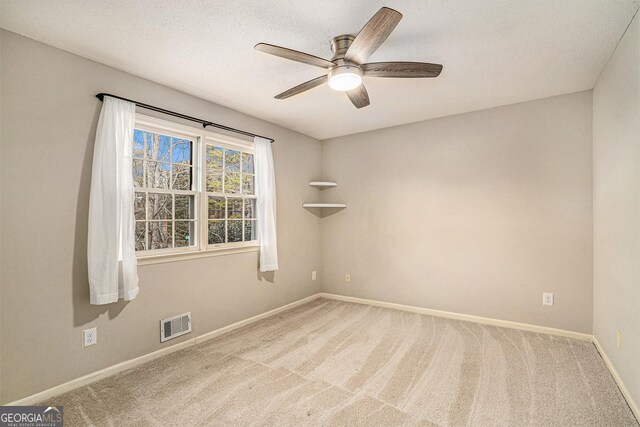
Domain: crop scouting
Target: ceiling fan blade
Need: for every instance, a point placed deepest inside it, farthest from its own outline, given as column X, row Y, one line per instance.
column 359, row 96
column 401, row 69
column 293, row 55
column 302, row 87
column 372, row 35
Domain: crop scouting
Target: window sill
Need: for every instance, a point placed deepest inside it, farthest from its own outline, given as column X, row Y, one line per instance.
column 183, row 256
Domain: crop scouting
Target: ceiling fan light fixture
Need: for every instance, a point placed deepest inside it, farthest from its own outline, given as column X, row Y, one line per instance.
column 345, row 78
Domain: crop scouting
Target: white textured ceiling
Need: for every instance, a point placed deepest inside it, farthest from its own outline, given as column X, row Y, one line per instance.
column 494, row 52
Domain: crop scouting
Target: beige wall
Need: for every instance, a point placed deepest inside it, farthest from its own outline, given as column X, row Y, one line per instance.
column 476, row 213
column 49, row 114
column 616, row 208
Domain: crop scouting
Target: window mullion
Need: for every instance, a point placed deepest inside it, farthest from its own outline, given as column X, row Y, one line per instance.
column 226, row 220
column 146, row 221
column 204, row 198
column 173, row 219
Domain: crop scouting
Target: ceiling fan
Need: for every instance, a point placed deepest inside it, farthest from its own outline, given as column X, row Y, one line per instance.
column 347, row 67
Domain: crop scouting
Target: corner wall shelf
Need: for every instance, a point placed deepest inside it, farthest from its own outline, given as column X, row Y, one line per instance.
column 324, row 205
column 323, row 184
column 320, row 185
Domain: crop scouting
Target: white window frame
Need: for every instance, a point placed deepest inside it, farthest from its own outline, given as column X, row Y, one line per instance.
column 200, row 139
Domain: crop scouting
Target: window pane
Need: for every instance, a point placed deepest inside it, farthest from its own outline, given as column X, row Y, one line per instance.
column 181, row 177
column 158, row 146
column 160, row 234
column 216, row 207
column 139, row 206
column 214, row 181
column 214, row 157
column 234, row 231
column 184, row 208
column 232, row 182
column 247, row 184
column 138, row 144
column 232, row 160
column 184, row 234
column 234, row 208
column 181, row 151
column 249, row 208
column 158, row 174
column 216, row 232
column 249, row 230
column 247, row 163
column 141, row 231
column 160, row 206
column 138, row 173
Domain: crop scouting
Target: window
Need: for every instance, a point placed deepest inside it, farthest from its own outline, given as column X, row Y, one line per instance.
column 232, row 202
column 182, row 175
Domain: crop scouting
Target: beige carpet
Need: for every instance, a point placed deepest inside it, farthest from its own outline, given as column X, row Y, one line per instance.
column 336, row 363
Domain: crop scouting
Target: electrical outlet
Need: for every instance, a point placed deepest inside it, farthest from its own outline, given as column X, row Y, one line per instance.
column 547, row 298
column 619, row 338
column 90, row 336
column 314, row 275
column 347, row 278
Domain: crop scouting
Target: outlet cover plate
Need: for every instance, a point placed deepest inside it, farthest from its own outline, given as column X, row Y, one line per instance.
column 90, row 337
column 547, row 298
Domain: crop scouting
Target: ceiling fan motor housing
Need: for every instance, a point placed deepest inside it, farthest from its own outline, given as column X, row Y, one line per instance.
column 339, row 46
column 344, row 75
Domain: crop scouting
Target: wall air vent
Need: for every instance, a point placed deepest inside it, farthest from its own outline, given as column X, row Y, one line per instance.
column 175, row 326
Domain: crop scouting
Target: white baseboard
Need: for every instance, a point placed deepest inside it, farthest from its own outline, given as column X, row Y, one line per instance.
column 467, row 317
column 111, row 370
column 614, row 373
column 128, row 364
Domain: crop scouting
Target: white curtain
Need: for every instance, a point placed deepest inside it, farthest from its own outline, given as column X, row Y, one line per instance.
column 266, row 204
column 111, row 245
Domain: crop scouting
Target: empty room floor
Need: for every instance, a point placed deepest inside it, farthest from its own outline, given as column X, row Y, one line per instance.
column 336, row 363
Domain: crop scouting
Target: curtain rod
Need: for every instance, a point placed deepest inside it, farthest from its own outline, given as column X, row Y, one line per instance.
column 204, row 123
